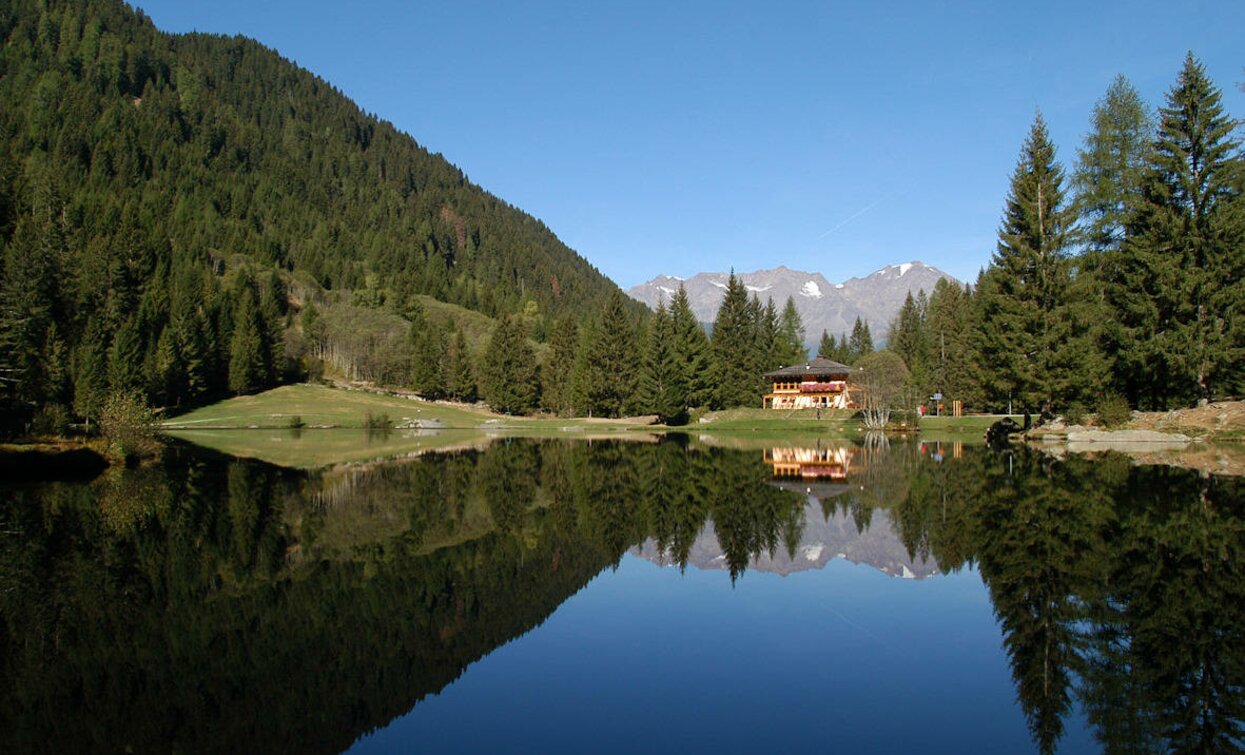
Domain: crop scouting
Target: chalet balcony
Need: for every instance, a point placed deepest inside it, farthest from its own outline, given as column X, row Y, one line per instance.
column 834, row 386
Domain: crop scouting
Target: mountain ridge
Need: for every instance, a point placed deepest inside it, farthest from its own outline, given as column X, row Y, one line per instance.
column 823, row 304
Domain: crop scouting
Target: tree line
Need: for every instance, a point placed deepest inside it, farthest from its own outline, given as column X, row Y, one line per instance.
column 1125, row 280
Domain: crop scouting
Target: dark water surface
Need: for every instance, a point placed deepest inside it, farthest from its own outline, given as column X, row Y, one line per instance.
column 557, row 596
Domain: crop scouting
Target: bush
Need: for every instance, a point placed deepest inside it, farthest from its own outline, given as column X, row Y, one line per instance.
column 51, row 419
column 1075, row 414
column 295, row 422
column 1113, row 411
column 376, row 421
column 128, row 427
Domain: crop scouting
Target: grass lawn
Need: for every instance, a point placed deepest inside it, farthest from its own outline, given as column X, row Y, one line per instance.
column 334, row 426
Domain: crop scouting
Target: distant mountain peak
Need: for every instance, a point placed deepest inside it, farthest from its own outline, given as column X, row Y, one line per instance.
column 823, row 305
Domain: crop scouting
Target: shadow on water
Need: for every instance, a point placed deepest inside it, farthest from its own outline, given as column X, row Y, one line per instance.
column 215, row 604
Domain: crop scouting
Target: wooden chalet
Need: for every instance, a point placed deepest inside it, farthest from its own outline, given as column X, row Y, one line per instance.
column 817, row 384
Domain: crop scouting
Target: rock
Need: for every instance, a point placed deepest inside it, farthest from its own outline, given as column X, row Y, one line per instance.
column 429, row 424
column 1125, row 436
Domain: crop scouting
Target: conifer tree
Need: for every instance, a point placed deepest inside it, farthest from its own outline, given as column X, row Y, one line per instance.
column 559, row 367
column 246, row 359
column 843, row 353
column 459, row 376
column 662, row 389
column 427, row 355
column 125, row 359
column 736, row 369
column 1177, row 290
column 793, row 335
column 610, row 368
column 1031, row 348
column 861, row 342
column 828, row 348
column 952, row 365
column 508, row 370
column 1110, row 166
column 692, row 350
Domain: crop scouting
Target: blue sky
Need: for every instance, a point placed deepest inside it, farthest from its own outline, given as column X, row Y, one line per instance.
column 676, row 137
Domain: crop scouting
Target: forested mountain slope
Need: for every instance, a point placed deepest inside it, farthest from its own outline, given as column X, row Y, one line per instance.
column 157, row 190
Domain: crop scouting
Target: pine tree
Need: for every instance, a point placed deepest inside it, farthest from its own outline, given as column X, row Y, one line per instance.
column 793, row 351
column 559, row 367
column 609, row 370
column 827, row 347
column 1031, row 348
column 861, row 342
column 691, row 347
column 508, row 370
column 1177, row 289
column 427, row 356
column 662, row 389
column 125, row 359
column 91, row 373
column 246, row 360
column 736, row 369
column 952, row 365
column 459, row 376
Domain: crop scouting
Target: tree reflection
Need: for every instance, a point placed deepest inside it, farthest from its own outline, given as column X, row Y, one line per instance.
column 209, row 603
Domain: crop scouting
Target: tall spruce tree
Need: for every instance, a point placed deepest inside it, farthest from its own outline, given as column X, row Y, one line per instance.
column 559, row 367
column 793, row 349
column 828, row 348
column 736, row 369
column 460, row 380
column 952, row 365
column 662, row 389
column 1178, row 289
column 608, row 372
column 246, row 358
column 691, row 347
column 508, row 369
column 427, row 358
column 1031, row 349
column 861, row 342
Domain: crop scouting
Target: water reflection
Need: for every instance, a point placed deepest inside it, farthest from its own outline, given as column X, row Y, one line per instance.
column 208, row 604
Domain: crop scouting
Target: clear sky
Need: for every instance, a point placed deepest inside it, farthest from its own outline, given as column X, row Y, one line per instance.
column 675, row 137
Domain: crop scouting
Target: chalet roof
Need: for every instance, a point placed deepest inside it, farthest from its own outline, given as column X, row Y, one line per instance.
column 815, row 368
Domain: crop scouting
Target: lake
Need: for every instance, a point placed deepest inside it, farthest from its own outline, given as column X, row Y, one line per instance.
column 608, row 596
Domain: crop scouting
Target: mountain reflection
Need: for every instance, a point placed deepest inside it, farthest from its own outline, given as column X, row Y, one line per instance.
column 214, row 604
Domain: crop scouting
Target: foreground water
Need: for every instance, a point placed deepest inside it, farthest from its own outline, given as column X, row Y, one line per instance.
column 544, row 596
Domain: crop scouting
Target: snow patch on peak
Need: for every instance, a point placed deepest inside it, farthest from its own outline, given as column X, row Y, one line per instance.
column 838, row 285
column 905, row 267
column 719, row 284
column 758, row 289
column 811, row 289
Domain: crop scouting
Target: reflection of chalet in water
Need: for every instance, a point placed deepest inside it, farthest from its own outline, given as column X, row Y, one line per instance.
column 820, row 383
column 809, row 463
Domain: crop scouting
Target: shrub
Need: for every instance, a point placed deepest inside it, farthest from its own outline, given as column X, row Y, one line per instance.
column 295, row 422
column 1113, row 411
column 376, row 421
column 1075, row 414
column 51, row 419
column 128, row 427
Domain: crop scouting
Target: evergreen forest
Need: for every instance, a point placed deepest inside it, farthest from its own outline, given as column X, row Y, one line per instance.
column 189, row 217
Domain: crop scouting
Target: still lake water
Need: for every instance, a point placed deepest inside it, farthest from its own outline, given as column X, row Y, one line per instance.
column 560, row 596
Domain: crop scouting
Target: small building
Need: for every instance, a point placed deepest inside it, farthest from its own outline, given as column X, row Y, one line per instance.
column 817, row 384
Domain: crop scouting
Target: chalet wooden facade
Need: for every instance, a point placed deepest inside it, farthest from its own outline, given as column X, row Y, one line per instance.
column 817, row 384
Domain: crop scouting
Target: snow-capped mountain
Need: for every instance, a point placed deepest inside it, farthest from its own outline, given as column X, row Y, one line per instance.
column 823, row 305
